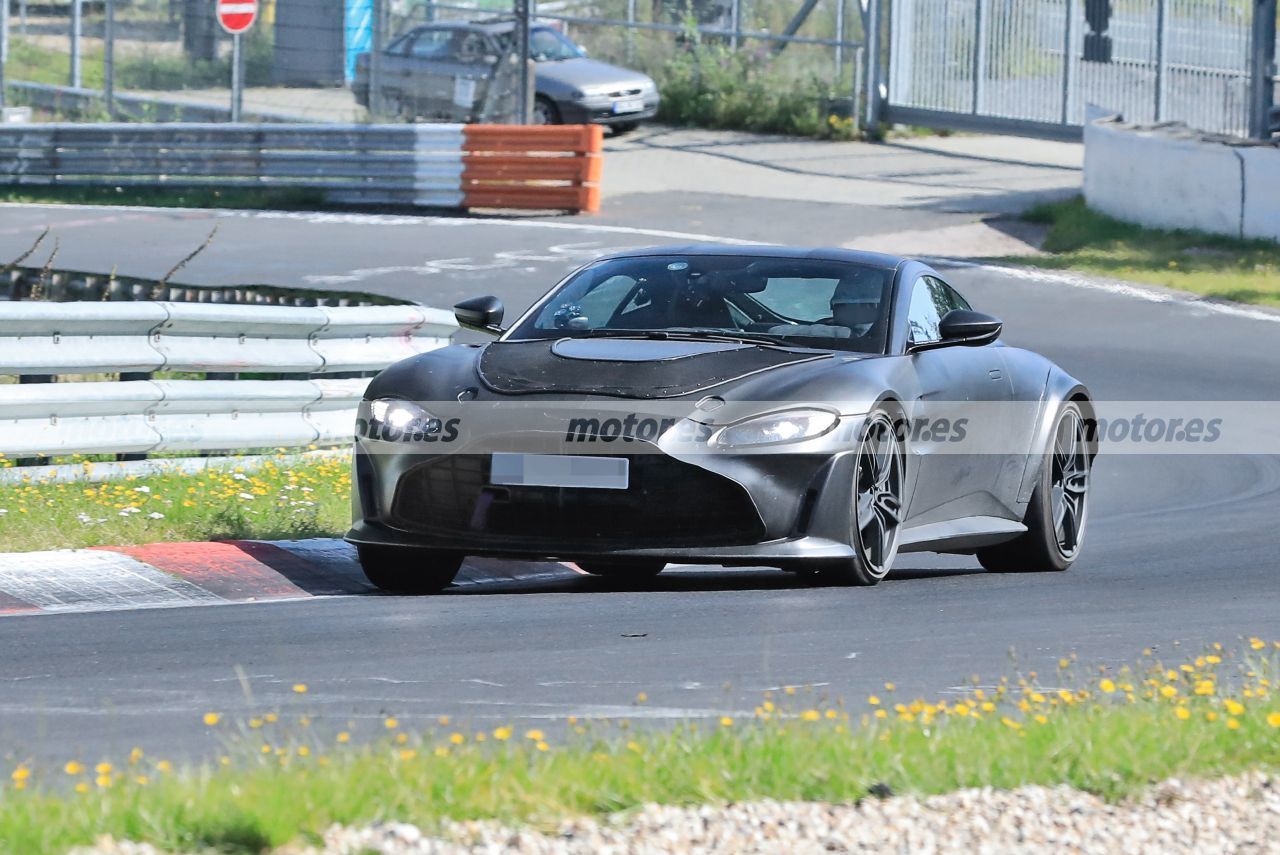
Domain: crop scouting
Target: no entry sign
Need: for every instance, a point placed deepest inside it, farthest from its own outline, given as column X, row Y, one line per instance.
column 237, row 16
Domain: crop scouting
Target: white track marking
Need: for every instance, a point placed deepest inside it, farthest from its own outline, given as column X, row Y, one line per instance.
column 337, row 218
column 1121, row 288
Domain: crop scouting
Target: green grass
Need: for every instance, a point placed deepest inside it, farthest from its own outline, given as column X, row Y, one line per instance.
column 1224, row 268
column 281, row 500
column 285, row 776
column 285, row 199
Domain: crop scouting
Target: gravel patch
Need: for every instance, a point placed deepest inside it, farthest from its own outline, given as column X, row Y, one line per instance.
column 1237, row 814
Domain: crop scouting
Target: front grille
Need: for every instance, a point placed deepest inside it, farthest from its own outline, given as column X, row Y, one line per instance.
column 625, row 93
column 668, row 503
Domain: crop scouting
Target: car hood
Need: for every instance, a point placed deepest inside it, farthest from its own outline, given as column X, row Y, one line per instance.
column 627, row 368
column 589, row 74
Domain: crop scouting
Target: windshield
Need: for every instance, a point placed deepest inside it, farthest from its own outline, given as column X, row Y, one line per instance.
column 825, row 304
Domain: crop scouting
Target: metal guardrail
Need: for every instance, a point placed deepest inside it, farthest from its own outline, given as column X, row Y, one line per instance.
column 432, row 165
column 139, row 416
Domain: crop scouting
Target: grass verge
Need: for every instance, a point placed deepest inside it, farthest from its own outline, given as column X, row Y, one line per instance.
column 281, row 500
column 285, row 776
column 1247, row 271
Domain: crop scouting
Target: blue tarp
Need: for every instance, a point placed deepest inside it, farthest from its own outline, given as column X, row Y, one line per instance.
column 358, row 32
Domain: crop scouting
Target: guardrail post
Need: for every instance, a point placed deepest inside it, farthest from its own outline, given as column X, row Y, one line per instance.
column 871, row 36
column 4, row 46
column 375, row 59
column 77, row 23
column 1068, row 42
column 108, row 56
column 979, row 52
column 1263, row 70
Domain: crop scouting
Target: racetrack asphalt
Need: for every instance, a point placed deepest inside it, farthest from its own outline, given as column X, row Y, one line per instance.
column 1181, row 550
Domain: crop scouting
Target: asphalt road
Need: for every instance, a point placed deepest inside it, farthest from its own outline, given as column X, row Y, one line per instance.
column 1181, row 550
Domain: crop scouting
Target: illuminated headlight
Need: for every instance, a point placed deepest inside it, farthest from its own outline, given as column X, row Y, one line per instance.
column 398, row 421
column 786, row 426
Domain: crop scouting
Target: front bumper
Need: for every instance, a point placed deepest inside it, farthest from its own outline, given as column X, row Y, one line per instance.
column 721, row 509
column 600, row 112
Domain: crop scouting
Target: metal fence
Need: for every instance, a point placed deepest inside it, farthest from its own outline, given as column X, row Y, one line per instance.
column 167, row 60
column 1043, row 65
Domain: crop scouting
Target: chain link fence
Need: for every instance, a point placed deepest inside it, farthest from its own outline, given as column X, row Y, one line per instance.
column 164, row 60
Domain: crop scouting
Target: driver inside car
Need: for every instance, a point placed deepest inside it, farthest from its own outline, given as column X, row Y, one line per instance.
column 856, row 308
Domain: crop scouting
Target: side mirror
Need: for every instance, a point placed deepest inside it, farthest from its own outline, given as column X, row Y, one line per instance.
column 483, row 314
column 965, row 328
column 973, row 329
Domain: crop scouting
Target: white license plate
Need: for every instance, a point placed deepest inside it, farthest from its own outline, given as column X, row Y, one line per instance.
column 630, row 105
column 559, row 470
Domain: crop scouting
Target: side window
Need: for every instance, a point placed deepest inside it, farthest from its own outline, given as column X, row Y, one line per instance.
column 931, row 299
column 431, row 44
column 923, row 316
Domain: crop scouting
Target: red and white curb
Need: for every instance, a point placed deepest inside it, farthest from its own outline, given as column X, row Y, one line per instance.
column 169, row 575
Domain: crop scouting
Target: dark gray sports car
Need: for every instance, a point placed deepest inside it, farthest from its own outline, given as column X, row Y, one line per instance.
column 814, row 410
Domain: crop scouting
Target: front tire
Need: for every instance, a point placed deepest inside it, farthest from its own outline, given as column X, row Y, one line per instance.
column 638, row 569
column 545, row 111
column 876, row 515
column 405, row 570
column 1059, row 508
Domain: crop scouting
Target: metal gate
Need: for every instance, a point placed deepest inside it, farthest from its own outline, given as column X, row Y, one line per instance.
column 1040, row 67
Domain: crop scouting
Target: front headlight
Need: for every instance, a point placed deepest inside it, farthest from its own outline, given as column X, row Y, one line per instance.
column 774, row 428
column 394, row 420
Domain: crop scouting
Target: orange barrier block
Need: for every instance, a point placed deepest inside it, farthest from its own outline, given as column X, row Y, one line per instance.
column 579, row 139
column 551, row 167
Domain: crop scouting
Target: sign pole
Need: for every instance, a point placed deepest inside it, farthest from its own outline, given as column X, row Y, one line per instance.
column 237, row 80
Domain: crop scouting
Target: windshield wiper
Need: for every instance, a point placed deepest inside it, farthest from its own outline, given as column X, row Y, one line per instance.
column 680, row 335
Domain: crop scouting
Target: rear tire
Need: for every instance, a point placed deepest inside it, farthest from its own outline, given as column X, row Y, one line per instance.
column 1058, row 510
column 405, row 570
column 638, row 569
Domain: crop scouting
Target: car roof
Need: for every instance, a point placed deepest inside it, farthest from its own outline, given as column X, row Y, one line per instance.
column 499, row 25
column 852, row 256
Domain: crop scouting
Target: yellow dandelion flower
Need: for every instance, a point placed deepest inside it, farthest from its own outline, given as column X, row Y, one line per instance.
column 443, row 721
column 1169, row 691
column 103, row 768
column 1233, row 706
column 1182, row 713
column 344, row 737
column 134, row 756
column 641, row 697
column 304, row 751
column 502, row 734
column 725, row 721
column 73, row 768
column 831, row 714
column 82, row 787
column 1010, row 723
column 535, row 735
column 1233, row 724
column 211, row 718
column 103, row 781
column 1274, row 719
column 1042, row 719
column 874, row 700
column 457, row 738
column 390, row 723
column 810, row 715
column 881, row 713
column 271, row 718
column 542, row 746
column 300, row 688
column 1211, row 716
column 21, row 774
column 1257, row 643
column 1106, row 685
column 165, row 766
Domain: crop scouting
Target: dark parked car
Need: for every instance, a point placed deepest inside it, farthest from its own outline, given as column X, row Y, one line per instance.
column 421, row 69
column 804, row 409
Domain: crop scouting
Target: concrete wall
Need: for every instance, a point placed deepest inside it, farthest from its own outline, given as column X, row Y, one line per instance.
column 1170, row 177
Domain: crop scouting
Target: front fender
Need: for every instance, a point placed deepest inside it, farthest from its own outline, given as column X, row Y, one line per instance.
column 1060, row 387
